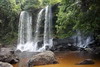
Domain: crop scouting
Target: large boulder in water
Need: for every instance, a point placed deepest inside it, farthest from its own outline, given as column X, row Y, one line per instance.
column 47, row 57
column 2, row 64
column 86, row 62
column 8, row 55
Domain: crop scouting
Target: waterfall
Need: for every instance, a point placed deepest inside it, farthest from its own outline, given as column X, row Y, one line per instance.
column 47, row 38
column 48, row 28
column 81, row 40
column 25, row 40
column 37, row 32
column 25, row 28
column 25, row 32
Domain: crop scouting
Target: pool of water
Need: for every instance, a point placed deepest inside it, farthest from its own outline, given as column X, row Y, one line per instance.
column 69, row 59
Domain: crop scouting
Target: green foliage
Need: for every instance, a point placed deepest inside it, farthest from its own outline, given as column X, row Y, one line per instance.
column 30, row 4
column 72, row 15
column 67, row 18
column 8, row 16
column 49, row 2
column 20, row 1
column 78, row 15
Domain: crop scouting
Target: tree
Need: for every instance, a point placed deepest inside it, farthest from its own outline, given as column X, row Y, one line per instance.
column 8, row 16
column 67, row 18
column 49, row 2
column 80, row 15
column 30, row 4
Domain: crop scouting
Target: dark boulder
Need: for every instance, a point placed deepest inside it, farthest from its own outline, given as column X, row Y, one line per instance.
column 63, row 44
column 96, row 50
column 86, row 62
column 8, row 55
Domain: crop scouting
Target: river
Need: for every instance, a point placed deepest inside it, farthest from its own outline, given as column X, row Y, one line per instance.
column 69, row 59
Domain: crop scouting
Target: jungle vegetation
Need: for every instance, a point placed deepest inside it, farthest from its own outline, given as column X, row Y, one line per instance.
column 71, row 15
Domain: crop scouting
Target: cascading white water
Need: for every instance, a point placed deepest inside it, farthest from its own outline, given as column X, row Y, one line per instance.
column 83, row 41
column 50, row 28
column 25, row 41
column 47, row 38
column 25, row 32
column 46, row 26
column 37, row 32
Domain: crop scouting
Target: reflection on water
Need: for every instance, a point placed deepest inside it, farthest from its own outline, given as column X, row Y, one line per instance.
column 69, row 59
column 24, row 57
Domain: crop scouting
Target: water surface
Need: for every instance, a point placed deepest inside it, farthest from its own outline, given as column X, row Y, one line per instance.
column 69, row 59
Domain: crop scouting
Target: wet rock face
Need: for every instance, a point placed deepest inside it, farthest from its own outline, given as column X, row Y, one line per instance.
column 63, row 44
column 96, row 51
column 43, row 58
column 8, row 55
column 2, row 64
column 86, row 62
